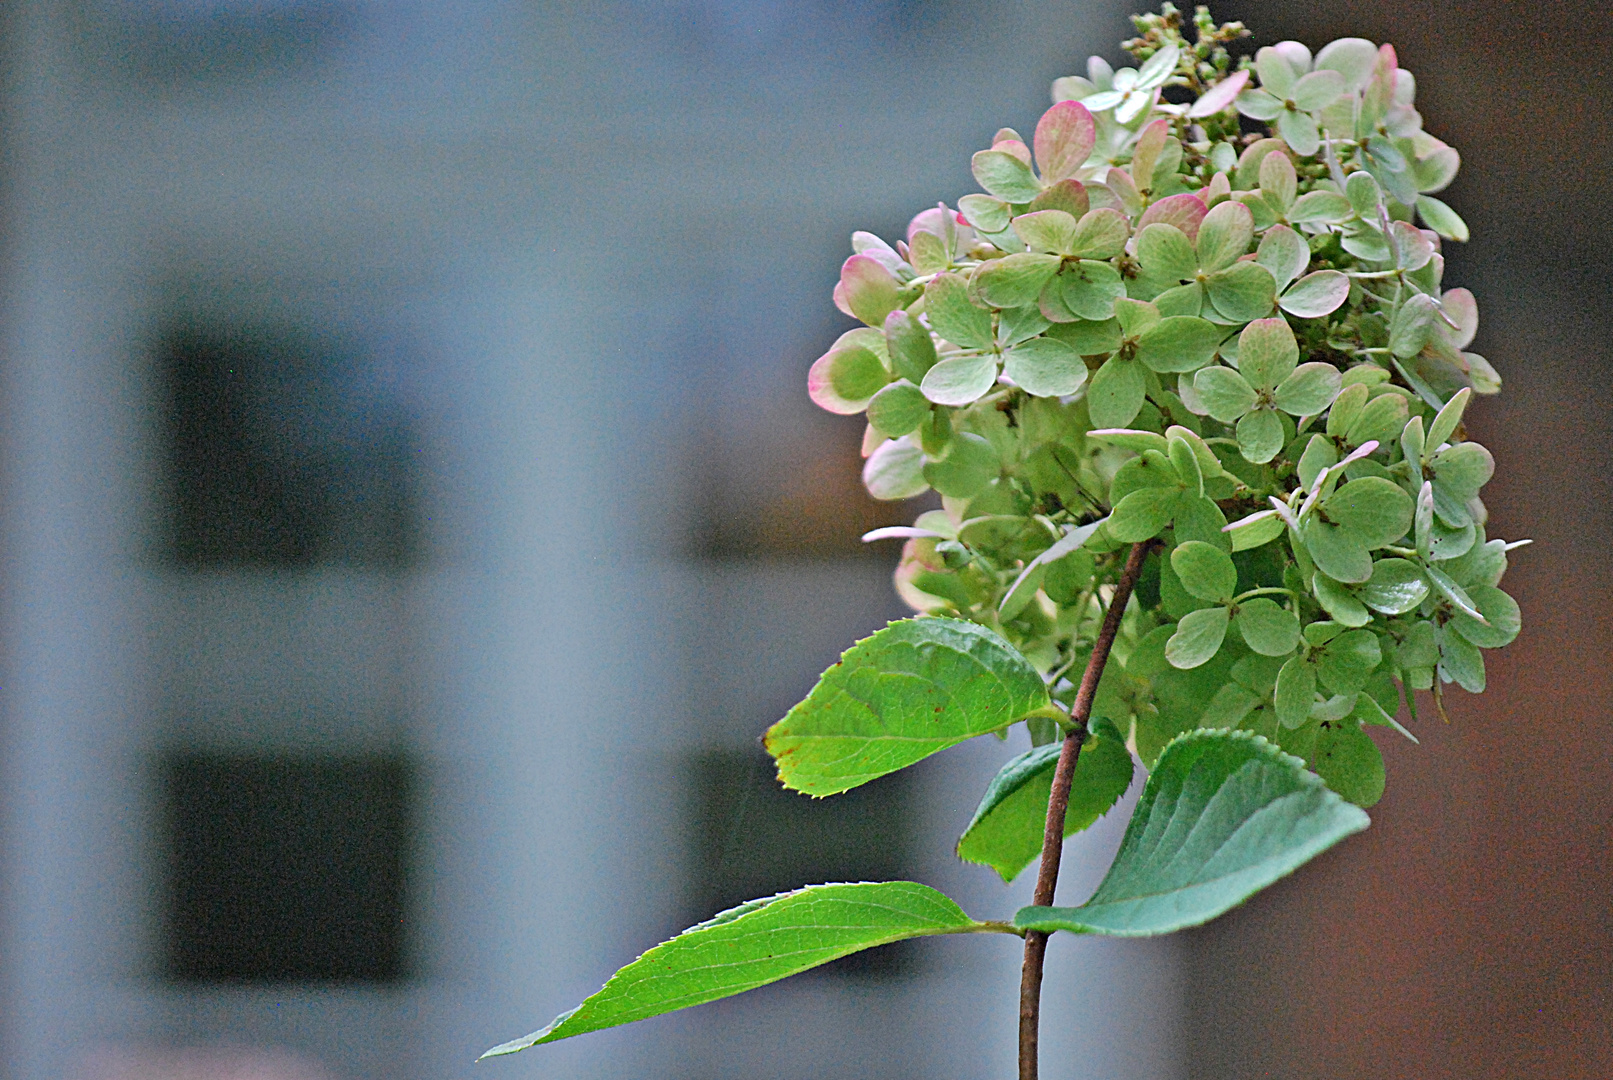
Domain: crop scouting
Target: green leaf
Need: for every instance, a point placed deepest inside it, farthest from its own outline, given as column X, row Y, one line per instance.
column 960, row 380
column 1166, row 253
column 1278, row 181
column 1268, row 629
column 909, row 690
column 1045, row 367
column 1179, row 343
column 1347, row 759
column 754, row 944
column 1224, row 236
column 954, row 316
column 1412, row 325
column 1460, row 661
column 986, row 214
column 1087, row 337
column 912, row 350
column 1397, row 586
column 1198, row 637
column 1462, row 470
column 1224, row 814
column 843, row 380
column 1295, row 691
column 1100, row 234
column 1267, row 353
column 895, row 471
column 1016, row 280
column 1376, row 511
column 898, row 409
column 1501, row 612
column 1444, row 424
column 1142, row 514
column 1047, row 230
column 1091, row 289
column 1206, row 572
column 1338, row 552
column 1315, row 295
column 1327, row 207
column 1284, row 253
column 1309, row 389
column 1225, row 393
column 969, row 464
column 1339, row 602
column 1442, row 219
column 1261, row 527
column 1005, row 176
column 1115, row 394
column 1243, row 291
column 1260, row 435
column 1346, row 662
column 1006, row 832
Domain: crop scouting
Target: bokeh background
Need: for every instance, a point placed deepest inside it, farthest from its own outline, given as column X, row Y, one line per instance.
column 411, row 513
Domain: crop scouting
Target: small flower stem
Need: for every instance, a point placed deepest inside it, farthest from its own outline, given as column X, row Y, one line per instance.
column 1058, row 804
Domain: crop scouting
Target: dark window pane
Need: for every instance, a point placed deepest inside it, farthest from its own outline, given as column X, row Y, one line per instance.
column 752, row 839
column 286, row 868
column 281, row 452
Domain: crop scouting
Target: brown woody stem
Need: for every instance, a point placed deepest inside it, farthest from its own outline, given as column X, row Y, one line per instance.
column 1058, row 803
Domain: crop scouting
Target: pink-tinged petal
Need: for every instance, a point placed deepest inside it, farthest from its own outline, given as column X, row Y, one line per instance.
column 870, row 289
column 1463, row 310
column 840, row 298
column 930, row 221
column 1184, row 211
column 1065, row 136
column 1015, row 147
column 1146, row 153
column 1220, row 96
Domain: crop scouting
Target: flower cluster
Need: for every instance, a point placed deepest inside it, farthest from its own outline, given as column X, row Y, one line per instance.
column 1155, row 325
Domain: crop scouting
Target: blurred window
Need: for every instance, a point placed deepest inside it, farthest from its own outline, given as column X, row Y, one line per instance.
column 283, row 450
column 286, row 868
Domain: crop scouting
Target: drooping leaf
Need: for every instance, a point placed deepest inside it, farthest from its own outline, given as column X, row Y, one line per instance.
column 1006, row 831
column 1224, row 814
column 754, row 944
column 898, row 696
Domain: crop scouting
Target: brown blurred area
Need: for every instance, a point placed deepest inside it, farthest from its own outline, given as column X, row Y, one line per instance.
column 1469, row 933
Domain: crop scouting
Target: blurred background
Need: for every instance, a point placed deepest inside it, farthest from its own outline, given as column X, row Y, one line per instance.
column 411, row 514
